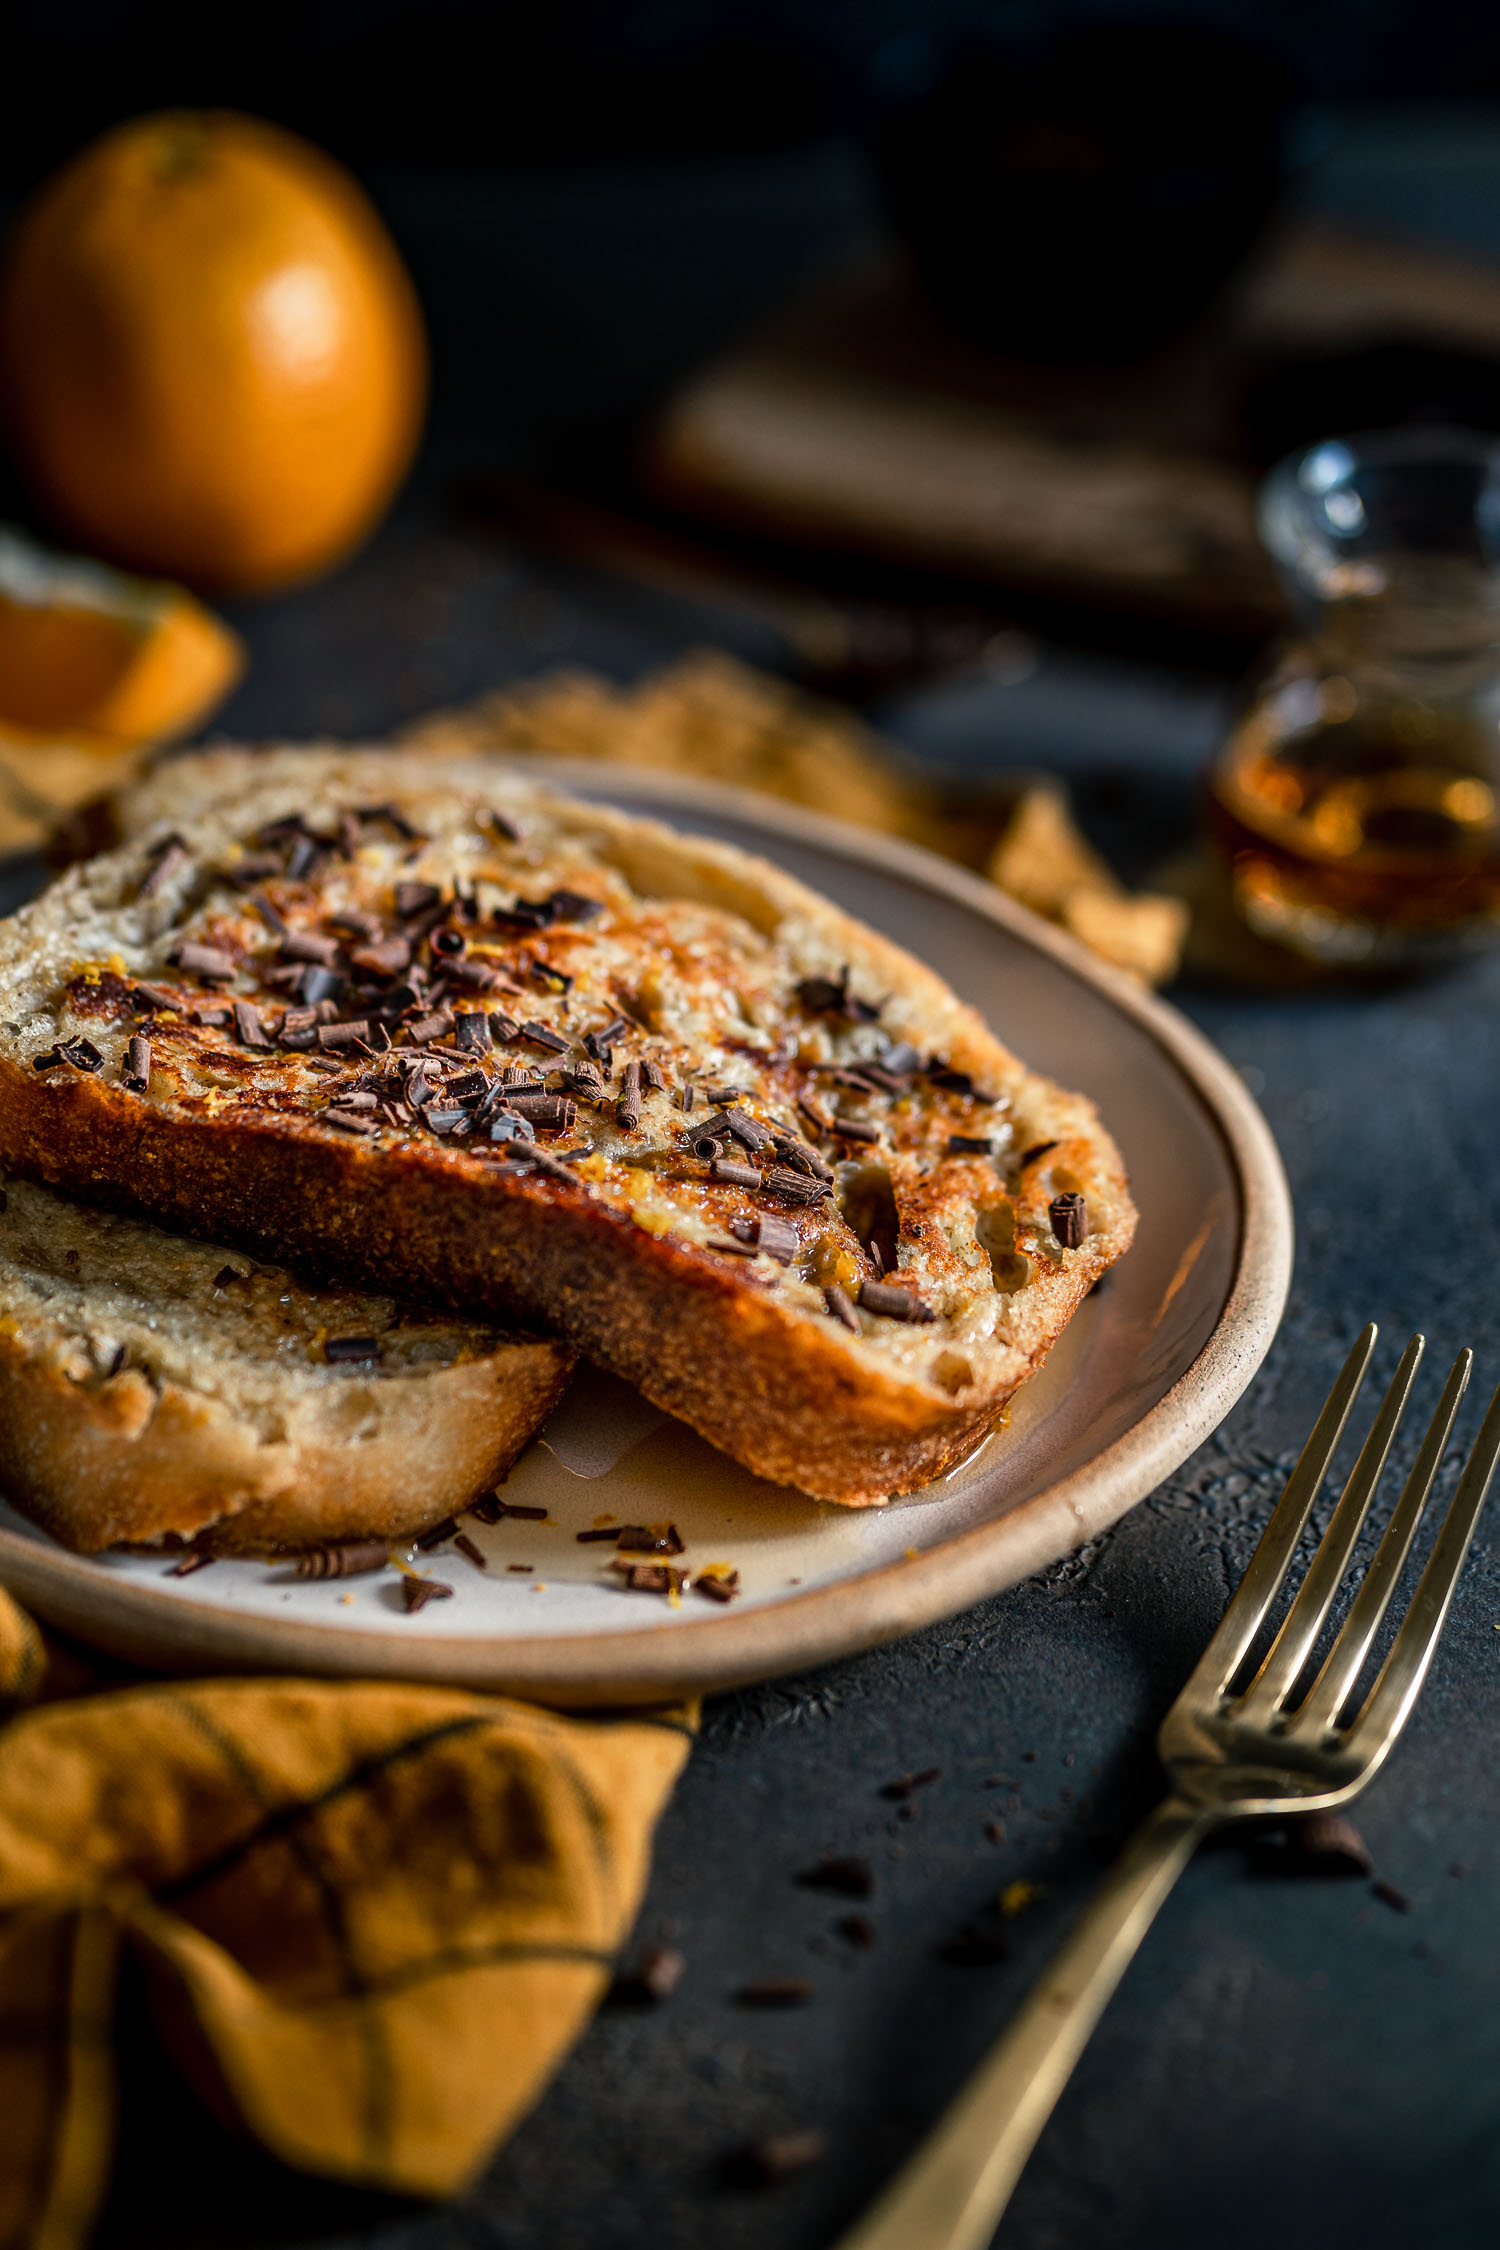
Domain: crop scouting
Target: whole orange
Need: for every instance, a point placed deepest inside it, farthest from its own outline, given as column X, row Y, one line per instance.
column 212, row 356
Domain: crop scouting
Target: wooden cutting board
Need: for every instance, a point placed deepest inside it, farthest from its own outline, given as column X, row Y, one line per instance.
column 858, row 423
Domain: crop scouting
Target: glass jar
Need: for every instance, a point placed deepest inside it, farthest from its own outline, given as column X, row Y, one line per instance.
column 1358, row 798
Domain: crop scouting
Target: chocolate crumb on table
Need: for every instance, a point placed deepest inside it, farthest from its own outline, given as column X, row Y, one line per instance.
column 845, row 1874
column 418, row 1592
column 858, row 1929
column 467, row 1548
column 1326, row 1843
column 350, row 1560
column 778, row 2156
column 774, row 1992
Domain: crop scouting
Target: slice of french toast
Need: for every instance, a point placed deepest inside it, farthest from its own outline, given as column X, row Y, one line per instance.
column 431, row 1027
column 154, row 1385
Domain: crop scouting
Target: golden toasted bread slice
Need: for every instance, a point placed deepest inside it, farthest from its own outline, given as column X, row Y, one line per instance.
column 151, row 1385
column 432, row 1027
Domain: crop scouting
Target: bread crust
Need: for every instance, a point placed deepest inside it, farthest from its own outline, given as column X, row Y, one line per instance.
column 853, row 1418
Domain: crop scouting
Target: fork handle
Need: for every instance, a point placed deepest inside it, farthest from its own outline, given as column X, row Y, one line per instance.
column 952, row 2192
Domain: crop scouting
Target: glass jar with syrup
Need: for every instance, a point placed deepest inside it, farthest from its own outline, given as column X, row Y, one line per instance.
column 1358, row 798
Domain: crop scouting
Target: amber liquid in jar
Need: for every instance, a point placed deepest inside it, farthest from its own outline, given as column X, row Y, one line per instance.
column 1361, row 831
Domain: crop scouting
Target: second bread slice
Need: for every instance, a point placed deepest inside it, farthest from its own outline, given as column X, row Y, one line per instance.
column 151, row 1385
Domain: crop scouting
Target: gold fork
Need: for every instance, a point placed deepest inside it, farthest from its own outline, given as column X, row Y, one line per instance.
column 1234, row 1749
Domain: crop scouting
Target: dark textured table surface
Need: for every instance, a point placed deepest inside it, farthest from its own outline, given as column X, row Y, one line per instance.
column 1289, row 2059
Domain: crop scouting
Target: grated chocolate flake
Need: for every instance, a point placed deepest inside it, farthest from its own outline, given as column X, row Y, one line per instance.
column 796, row 1187
column 542, row 1035
column 746, row 1131
column 830, row 996
column 956, row 1082
column 649, row 1578
column 629, row 1110
column 151, row 997
column 649, row 1539
column 356, row 1121
column 185, row 1565
column 607, row 1535
column 418, row 1592
column 427, row 1540
column 775, row 2157
column 429, row 1027
column 307, row 945
column 654, row 1077
column 853, row 1129
column 317, row 985
column 494, row 1509
column 472, row 1032
column 731, row 1174
column 82, row 1054
column 503, row 1028
column 969, row 1144
column 1038, row 1150
column 1070, row 1219
column 206, row 963
column 842, row 1308
column 166, row 858
column 355, row 1032
column 412, row 899
column 341, row 1351
column 382, row 958
column 469, row 1551
column 248, row 1028
column 136, row 1073
column 717, row 1583
column 545, row 1113
column 775, row 1992
column 777, row 1237
column 352, row 1559
column 845, row 1875
column 893, row 1304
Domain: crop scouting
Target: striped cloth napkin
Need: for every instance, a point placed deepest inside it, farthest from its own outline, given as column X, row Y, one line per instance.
column 372, row 1917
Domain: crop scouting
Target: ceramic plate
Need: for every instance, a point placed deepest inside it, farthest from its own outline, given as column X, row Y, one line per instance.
column 1150, row 1364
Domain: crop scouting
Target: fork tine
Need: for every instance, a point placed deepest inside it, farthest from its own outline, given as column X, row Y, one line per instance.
column 1401, row 1676
column 1345, row 1661
column 1294, row 1643
column 1278, row 1542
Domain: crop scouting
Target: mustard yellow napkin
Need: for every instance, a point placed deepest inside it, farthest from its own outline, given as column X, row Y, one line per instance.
column 372, row 1917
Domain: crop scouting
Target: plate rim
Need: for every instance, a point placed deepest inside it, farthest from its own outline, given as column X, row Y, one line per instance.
column 736, row 1648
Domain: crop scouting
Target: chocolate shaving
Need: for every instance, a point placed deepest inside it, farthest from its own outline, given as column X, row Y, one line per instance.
column 1070, row 1219
column 775, row 1992
column 842, row 1308
column 652, row 1073
column 354, row 1032
column 746, row 1131
column 268, row 914
column 723, row 1168
column 795, row 1186
column 901, row 1061
column 206, row 963
column 445, row 1120
column 344, row 1350
column 305, row 855
column 418, row 1592
column 650, row 1539
column 495, row 1510
column 629, row 1110
column 572, row 906
column 777, row 1237
column 650, row 1578
column 1329, row 1844
column 956, row 1082
column 317, row 984
column 776, row 2157
column 393, row 817
column 605, row 1535
column 472, row 1032
column 969, row 1144
column 815, row 1117
column 306, row 945
column 845, row 1875
column 717, row 1585
column 136, row 1073
column 737, row 1249
column 893, row 1304
column 1040, row 1148
column 81, row 1053
column 448, row 943
column 851, row 1129
column 385, row 958
column 467, row 1548
column 249, row 1029
column 194, row 1559
column 151, row 997
column 545, row 1113
column 528, row 1157
column 468, row 1086
column 167, row 856
column 605, row 1036
column 541, row 1035
column 430, row 1027
column 350, row 1560
column 412, row 899
column 348, row 1119
column 825, row 996
column 427, row 1540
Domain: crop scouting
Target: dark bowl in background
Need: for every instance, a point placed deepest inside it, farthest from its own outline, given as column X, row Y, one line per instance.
column 1085, row 198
